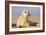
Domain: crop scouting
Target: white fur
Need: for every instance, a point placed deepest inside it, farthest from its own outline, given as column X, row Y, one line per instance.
column 22, row 20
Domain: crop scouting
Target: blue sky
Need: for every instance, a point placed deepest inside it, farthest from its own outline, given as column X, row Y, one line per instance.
column 17, row 10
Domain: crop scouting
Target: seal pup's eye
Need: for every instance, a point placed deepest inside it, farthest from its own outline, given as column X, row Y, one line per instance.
column 24, row 12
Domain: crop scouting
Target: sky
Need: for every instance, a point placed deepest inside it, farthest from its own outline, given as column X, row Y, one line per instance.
column 17, row 10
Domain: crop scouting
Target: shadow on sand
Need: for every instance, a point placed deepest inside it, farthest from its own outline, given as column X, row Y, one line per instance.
column 30, row 24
